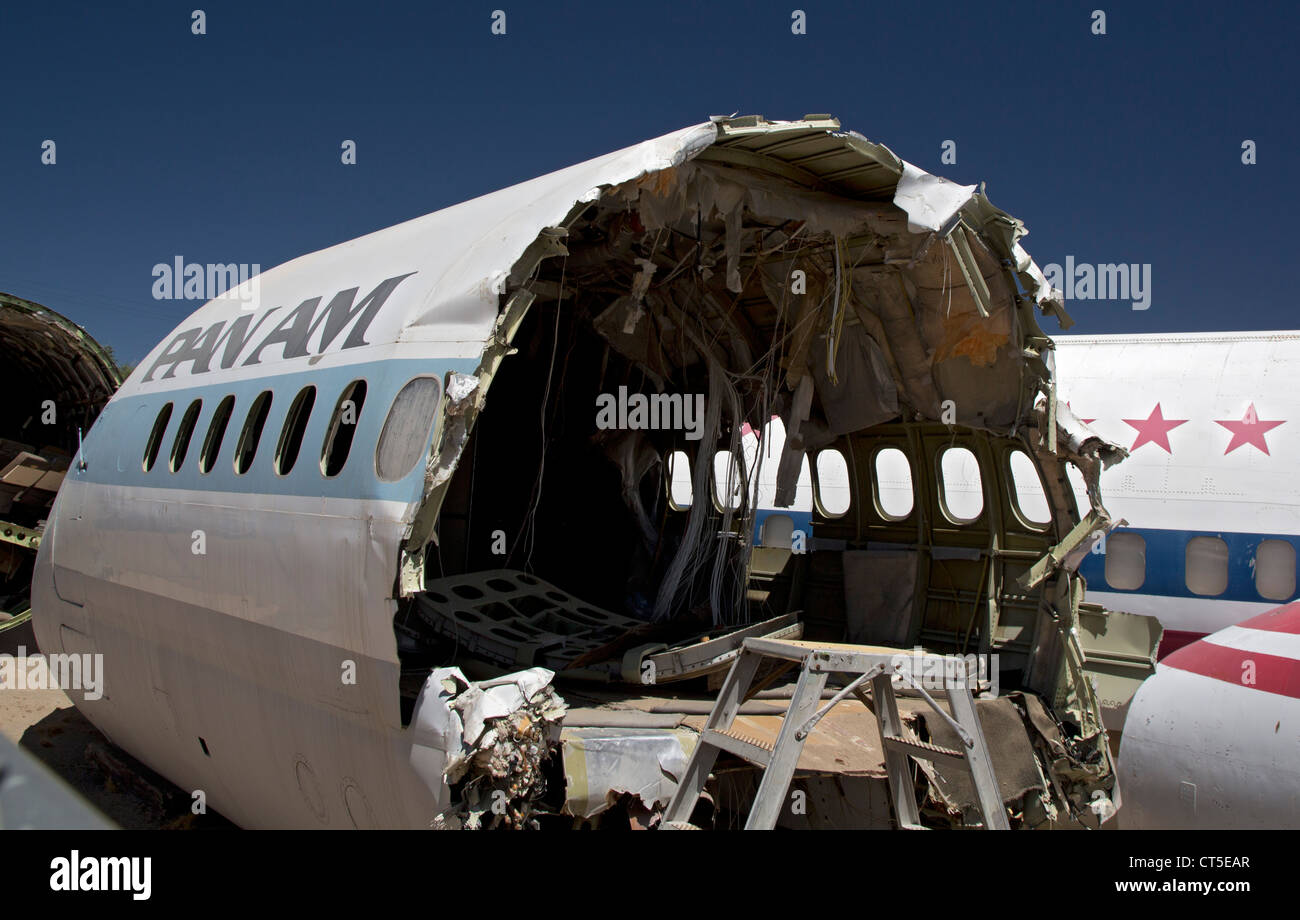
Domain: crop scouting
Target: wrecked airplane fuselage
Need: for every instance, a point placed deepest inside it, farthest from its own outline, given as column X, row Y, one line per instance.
column 628, row 316
column 61, row 379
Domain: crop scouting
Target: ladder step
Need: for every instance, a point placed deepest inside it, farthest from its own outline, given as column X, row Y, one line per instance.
column 923, row 748
column 743, row 746
column 816, row 661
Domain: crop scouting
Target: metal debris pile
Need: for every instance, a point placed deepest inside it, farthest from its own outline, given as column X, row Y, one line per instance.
column 508, row 727
column 1047, row 779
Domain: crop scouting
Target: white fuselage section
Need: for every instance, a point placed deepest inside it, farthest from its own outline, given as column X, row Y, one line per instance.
column 1209, row 492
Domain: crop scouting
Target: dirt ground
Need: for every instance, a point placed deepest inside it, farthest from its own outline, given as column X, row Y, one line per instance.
column 47, row 725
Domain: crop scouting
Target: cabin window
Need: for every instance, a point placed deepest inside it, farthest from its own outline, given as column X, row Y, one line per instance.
column 216, row 432
column 1029, row 498
column 831, row 484
column 156, row 436
column 246, row 449
column 1080, row 489
column 406, row 430
column 894, row 490
column 342, row 428
column 728, row 484
column 1126, row 561
column 680, row 489
column 961, row 490
column 1206, row 564
column 184, row 432
column 1275, row 570
column 777, row 531
column 295, row 425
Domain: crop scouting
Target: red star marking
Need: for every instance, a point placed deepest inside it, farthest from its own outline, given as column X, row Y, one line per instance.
column 1086, row 421
column 1154, row 429
column 1250, row 430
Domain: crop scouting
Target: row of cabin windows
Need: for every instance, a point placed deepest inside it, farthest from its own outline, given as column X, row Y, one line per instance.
column 961, row 486
column 400, row 442
column 962, row 501
column 728, row 481
column 961, row 494
column 1205, row 563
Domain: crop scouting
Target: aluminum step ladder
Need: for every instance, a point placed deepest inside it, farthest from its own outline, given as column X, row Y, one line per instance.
column 817, row 661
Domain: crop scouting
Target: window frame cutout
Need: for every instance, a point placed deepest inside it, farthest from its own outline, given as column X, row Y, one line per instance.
column 415, row 448
column 258, row 413
column 156, row 434
column 356, row 392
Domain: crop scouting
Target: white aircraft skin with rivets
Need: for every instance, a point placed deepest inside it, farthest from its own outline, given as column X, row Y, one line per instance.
column 1209, row 490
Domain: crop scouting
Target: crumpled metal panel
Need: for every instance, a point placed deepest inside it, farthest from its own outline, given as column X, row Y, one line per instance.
column 490, row 737
column 602, row 764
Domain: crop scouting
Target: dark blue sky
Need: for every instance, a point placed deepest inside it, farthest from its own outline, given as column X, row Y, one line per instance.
column 226, row 147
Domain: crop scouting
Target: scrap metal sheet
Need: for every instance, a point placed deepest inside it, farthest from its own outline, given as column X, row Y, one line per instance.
column 601, row 764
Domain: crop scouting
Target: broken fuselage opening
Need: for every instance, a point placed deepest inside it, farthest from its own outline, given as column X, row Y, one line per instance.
column 62, row 380
column 820, row 304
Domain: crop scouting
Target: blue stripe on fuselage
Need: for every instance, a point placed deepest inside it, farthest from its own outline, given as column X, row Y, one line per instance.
column 1166, row 574
column 1166, row 550
column 802, row 521
column 114, row 448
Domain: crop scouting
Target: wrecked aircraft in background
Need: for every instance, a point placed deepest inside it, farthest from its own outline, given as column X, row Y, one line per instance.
column 788, row 269
column 61, row 380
